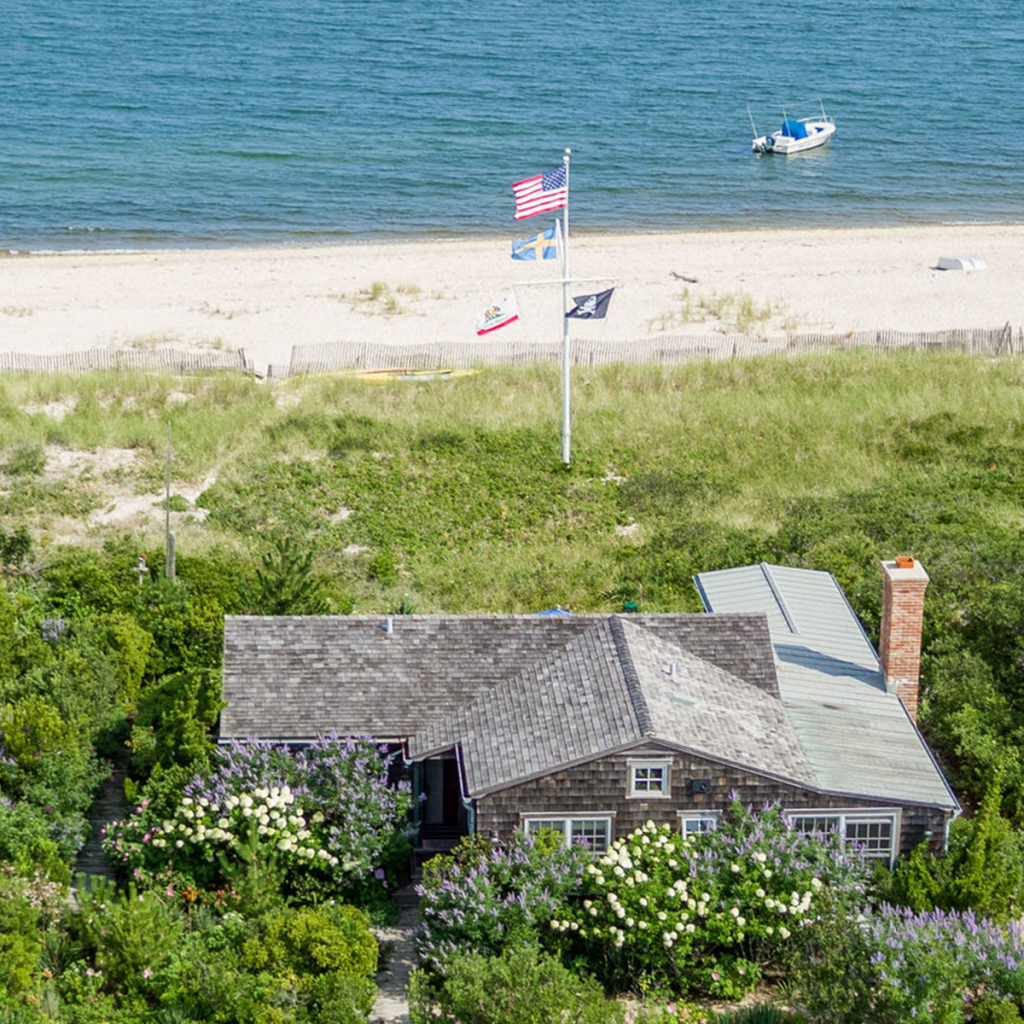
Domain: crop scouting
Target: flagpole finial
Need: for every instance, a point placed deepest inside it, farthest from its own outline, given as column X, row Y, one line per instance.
column 568, row 152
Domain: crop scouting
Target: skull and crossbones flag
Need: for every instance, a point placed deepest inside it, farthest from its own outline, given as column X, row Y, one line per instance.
column 590, row 307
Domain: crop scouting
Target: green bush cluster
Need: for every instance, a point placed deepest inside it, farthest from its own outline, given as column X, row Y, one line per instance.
column 130, row 957
column 521, row 985
column 86, row 653
column 708, row 913
column 982, row 870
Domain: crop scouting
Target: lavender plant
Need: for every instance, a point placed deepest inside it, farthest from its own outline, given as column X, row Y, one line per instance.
column 51, row 630
column 893, row 965
column 488, row 898
column 932, row 967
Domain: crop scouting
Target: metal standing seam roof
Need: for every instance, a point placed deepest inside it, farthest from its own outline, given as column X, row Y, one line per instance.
column 858, row 738
column 614, row 686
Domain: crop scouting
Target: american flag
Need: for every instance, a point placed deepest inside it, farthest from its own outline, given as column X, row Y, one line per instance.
column 541, row 193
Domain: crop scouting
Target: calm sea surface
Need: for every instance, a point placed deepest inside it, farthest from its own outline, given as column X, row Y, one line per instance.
column 144, row 123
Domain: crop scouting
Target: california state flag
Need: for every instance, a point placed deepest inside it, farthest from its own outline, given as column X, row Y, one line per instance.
column 499, row 313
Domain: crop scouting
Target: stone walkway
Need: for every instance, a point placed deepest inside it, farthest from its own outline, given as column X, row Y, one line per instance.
column 392, row 1005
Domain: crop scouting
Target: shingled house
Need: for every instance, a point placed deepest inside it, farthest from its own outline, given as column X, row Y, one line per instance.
column 593, row 724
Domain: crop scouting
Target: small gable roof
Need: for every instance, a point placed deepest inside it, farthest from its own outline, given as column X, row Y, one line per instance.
column 612, row 687
column 292, row 677
column 858, row 737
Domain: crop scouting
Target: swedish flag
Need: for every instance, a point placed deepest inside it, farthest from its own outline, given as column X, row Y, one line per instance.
column 545, row 243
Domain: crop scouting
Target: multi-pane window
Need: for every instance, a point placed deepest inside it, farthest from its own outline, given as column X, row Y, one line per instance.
column 592, row 831
column 810, row 824
column 695, row 824
column 595, row 831
column 648, row 778
column 873, row 833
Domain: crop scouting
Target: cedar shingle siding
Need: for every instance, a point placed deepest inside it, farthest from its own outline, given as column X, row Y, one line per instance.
column 601, row 785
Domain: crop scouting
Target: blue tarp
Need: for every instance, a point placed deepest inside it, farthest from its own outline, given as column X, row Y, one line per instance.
column 794, row 129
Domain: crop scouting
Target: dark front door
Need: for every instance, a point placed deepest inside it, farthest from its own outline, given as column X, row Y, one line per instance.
column 443, row 815
column 452, row 809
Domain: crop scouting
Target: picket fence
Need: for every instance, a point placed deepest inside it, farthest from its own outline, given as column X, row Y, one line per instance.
column 125, row 359
column 352, row 355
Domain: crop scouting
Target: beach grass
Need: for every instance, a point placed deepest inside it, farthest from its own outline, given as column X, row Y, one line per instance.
column 450, row 495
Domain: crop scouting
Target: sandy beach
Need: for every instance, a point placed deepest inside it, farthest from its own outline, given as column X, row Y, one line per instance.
column 267, row 300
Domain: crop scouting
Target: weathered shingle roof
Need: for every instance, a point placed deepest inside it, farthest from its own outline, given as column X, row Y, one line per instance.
column 608, row 689
column 707, row 710
column 857, row 737
column 293, row 677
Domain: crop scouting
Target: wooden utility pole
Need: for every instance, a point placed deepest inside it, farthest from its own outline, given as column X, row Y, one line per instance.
column 169, row 543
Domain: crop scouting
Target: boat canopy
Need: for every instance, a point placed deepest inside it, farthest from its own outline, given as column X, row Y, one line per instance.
column 794, row 129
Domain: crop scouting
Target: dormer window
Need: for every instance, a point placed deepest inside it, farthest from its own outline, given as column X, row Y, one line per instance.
column 649, row 780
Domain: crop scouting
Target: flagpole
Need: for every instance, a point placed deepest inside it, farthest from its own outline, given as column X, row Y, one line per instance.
column 566, row 421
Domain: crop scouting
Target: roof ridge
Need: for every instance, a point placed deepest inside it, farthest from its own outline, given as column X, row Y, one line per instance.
column 631, row 676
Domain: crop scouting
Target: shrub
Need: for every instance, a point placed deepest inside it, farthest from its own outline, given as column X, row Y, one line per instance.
column 996, row 1011
column 893, row 965
column 34, row 841
column 129, row 935
column 704, row 913
column 307, row 941
column 357, row 816
column 32, row 726
column 203, row 840
column 521, row 985
column 15, row 547
column 488, row 898
column 983, row 870
column 335, row 999
column 27, row 459
column 759, row 1013
column 19, row 944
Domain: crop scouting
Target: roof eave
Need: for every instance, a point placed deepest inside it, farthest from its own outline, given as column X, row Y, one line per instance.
column 561, row 767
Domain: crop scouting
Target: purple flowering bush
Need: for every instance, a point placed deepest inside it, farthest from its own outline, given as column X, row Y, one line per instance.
column 326, row 820
column 893, row 965
column 486, row 898
column 706, row 913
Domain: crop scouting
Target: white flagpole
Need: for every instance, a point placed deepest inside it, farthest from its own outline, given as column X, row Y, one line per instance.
column 566, row 420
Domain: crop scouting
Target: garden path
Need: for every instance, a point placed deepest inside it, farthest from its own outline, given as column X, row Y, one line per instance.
column 392, row 1005
column 109, row 806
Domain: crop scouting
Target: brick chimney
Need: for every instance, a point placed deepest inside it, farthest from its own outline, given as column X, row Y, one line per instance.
column 899, row 645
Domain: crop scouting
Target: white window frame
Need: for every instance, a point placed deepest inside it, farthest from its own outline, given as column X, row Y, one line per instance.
column 709, row 818
column 567, row 823
column 844, row 816
column 647, row 763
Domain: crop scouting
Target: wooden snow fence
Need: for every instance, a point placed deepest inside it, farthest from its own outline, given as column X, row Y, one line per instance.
column 125, row 360
column 340, row 356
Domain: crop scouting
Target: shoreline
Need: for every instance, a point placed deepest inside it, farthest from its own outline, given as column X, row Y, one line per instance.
column 265, row 299
column 288, row 243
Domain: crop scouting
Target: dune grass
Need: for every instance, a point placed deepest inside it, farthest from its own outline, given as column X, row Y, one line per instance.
column 450, row 494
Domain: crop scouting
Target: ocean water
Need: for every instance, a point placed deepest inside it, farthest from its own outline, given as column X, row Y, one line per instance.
column 150, row 123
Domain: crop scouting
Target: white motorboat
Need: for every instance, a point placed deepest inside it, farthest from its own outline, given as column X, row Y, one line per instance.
column 795, row 136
